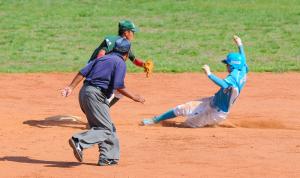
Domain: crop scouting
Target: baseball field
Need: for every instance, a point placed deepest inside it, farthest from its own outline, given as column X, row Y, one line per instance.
column 44, row 43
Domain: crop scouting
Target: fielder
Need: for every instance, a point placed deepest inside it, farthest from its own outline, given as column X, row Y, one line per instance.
column 126, row 30
column 212, row 110
column 102, row 76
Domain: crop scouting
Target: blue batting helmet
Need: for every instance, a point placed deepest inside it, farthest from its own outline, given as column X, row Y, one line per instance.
column 234, row 60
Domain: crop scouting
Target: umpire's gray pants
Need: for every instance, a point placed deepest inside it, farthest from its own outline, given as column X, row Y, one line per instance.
column 95, row 106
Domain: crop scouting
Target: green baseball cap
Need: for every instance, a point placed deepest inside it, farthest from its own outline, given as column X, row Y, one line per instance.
column 128, row 25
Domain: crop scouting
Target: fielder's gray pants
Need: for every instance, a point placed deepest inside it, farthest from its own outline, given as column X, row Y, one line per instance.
column 96, row 108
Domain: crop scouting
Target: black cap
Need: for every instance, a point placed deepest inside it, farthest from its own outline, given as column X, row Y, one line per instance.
column 122, row 45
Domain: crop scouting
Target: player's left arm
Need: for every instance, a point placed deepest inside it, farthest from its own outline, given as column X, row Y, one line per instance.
column 138, row 62
column 134, row 60
column 103, row 48
column 240, row 45
column 148, row 65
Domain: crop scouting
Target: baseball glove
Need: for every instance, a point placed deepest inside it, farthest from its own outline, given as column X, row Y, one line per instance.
column 148, row 67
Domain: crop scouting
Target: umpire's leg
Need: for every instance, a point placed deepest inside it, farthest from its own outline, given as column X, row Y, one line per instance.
column 95, row 106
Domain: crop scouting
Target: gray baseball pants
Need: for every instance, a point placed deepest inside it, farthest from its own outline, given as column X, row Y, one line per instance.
column 96, row 108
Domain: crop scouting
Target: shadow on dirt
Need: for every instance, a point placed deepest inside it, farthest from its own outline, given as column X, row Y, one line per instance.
column 172, row 124
column 25, row 159
column 262, row 124
column 59, row 121
column 270, row 124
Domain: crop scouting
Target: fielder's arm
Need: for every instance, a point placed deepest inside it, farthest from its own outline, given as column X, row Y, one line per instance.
column 138, row 62
column 101, row 53
column 148, row 65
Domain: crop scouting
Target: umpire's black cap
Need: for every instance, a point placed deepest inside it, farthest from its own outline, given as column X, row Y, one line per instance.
column 122, row 45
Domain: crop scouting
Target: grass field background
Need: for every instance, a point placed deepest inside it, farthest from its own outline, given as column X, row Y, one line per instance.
column 179, row 35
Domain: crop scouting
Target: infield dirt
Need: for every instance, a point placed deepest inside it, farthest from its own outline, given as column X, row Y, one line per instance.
column 260, row 138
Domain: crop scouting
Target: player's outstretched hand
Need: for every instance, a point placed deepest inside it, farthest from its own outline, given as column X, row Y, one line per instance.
column 237, row 40
column 66, row 91
column 206, row 69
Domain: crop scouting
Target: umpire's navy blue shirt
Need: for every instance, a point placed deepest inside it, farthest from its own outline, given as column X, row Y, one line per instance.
column 107, row 73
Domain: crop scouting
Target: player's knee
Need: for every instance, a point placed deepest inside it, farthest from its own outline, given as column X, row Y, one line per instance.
column 180, row 110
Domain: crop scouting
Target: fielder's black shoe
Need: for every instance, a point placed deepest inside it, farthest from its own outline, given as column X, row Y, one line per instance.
column 107, row 162
column 76, row 149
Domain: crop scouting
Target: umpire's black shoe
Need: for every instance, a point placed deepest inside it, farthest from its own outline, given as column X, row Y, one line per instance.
column 76, row 149
column 107, row 162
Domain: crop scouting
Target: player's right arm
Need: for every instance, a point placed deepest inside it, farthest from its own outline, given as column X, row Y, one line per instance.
column 218, row 81
column 105, row 47
column 99, row 51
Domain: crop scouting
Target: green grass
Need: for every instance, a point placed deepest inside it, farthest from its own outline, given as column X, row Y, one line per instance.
column 179, row 35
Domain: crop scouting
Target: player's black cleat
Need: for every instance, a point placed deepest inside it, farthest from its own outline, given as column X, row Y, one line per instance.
column 76, row 149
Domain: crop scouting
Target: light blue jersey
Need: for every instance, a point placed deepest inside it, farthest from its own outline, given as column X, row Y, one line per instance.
column 231, row 86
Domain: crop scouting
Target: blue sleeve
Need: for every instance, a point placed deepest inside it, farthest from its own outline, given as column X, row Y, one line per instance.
column 220, row 82
column 242, row 53
column 233, row 78
column 87, row 69
column 119, row 75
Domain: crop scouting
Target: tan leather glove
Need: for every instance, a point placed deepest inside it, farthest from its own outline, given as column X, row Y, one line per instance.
column 148, row 67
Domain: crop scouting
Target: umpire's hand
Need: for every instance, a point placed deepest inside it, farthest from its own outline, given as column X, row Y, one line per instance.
column 138, row 98
column 66, row 91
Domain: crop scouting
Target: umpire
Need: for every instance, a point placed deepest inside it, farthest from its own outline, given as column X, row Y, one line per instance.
column 102, row 77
